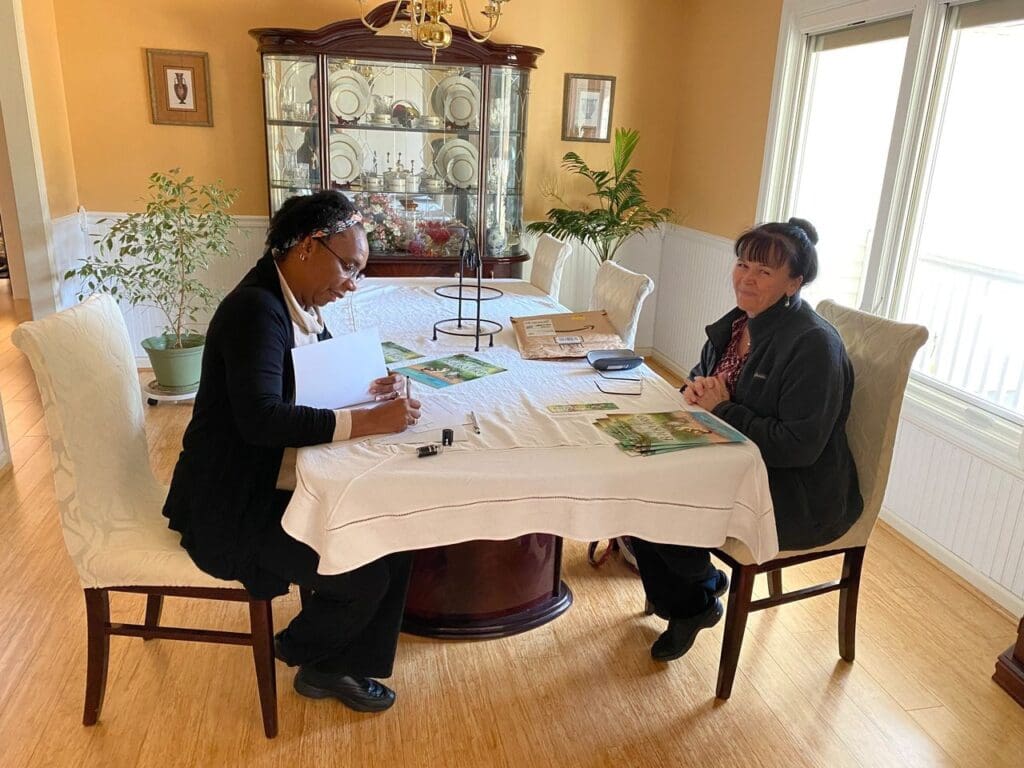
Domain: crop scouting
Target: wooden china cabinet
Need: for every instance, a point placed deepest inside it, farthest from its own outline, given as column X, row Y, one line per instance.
column 431, row 152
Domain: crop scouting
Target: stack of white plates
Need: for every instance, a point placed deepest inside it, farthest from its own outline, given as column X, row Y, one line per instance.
column 346, row 158
column 456, row 161
column 457, row 99
column 349, row 94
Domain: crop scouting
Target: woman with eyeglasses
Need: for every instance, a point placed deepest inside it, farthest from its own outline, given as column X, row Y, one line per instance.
column 236, row 470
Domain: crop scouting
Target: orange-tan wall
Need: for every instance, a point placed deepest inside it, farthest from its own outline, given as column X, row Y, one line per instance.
column 44, row 57
column 726, row 60
column 116, row 146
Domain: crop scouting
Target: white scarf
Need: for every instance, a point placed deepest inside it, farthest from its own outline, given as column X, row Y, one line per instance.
column 307, row 322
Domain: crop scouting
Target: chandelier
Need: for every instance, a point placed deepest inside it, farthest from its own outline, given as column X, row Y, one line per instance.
column 428, row 21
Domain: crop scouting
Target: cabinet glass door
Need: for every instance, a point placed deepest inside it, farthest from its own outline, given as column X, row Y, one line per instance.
column 506, row 144
column 293, row 133
column 405, row 145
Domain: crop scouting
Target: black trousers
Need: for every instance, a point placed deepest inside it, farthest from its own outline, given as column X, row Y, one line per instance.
column 351, row 622
column 679, row 581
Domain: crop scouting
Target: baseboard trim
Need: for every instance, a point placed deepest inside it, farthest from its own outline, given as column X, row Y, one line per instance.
column 667, row 364
column 999, row 594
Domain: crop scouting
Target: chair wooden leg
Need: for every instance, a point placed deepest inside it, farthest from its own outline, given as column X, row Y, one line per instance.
column 261, row 620
column 97, row 616
column 853, row 562
column 154, row 607
column 775, row 583
column 740, row 590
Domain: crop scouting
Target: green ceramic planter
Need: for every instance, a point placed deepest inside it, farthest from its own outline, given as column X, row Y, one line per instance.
column 175, row 367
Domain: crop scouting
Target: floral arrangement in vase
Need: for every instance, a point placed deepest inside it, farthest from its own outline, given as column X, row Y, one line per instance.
column 381, row 220
column 432, row 237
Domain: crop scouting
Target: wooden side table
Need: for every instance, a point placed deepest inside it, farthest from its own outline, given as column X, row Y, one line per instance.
column 1009, row 672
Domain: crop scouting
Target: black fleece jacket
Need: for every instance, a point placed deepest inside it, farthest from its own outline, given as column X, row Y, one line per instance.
column 222, row 498
column 792, row 400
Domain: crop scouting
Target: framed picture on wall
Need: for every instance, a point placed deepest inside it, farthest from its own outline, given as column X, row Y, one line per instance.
column 179, row 87
column 587, row 107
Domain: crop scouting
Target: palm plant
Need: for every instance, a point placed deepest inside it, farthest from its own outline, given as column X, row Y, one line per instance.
column 623, row 209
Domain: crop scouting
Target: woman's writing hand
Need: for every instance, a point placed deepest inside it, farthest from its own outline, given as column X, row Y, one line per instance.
column 395, row 415
column 388, row 387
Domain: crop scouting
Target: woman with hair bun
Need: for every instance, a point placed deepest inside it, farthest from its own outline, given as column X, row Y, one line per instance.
column 779, row 373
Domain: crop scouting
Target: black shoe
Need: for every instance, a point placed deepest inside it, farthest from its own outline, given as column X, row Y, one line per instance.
column 721, row 583
column 679, row 637
column 359, row 693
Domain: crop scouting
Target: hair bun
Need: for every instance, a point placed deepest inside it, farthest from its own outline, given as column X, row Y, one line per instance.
column 807, row 227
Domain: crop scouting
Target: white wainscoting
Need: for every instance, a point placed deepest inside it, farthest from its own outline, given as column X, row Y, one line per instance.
column 641, row 254
column 695, row 290
column 965, row 511
column 143, row 322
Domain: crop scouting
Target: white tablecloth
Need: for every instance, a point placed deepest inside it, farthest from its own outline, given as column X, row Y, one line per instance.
column 527, row 471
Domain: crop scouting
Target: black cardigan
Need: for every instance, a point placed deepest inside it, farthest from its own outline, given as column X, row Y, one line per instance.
column 222, row 498
column 792, row 399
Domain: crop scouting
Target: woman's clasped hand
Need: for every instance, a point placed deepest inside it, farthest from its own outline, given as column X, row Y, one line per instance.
column 706, row 392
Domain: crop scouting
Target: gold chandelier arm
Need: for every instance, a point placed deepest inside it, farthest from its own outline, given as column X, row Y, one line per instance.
column 368, row 25
column 474, row 34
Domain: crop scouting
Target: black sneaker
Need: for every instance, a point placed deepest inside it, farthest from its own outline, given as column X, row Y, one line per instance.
column 362, row 694
column 678, row 638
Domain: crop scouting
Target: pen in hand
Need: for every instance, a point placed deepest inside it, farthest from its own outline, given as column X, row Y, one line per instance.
column 408, row 387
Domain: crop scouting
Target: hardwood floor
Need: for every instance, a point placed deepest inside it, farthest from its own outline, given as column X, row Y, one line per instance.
column 581, row 691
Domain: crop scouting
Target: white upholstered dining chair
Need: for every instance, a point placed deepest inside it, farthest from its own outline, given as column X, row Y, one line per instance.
column 548, row 262
column 882, row 352
column 622, row 293
column 110, row 503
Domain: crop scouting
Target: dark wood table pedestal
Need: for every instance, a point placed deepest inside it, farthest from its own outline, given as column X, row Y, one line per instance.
column 1009, row 672
column 486, row 589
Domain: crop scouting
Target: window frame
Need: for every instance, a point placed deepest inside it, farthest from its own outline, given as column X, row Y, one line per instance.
column 986, row 430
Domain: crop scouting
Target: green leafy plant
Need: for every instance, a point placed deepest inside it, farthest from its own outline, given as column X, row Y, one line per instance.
column 622, row 208
column 151, row 257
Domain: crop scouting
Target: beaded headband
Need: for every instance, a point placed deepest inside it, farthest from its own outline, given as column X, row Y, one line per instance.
column 333, row 229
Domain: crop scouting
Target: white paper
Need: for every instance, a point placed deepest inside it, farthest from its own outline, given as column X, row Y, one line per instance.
column 435, row 416
column 338, row 372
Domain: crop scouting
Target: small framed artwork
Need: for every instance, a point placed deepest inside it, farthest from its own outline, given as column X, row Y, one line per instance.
column 179, row 87
column 587, row 107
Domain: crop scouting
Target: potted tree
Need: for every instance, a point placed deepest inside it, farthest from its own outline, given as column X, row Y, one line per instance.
column 152, row 257
column 622, row 209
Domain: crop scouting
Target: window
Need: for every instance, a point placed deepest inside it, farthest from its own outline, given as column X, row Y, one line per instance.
column 896, row 130
column 852, row 85
column 966, row 271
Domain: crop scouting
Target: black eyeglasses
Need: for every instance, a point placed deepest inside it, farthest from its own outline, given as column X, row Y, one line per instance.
column 348, row 271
